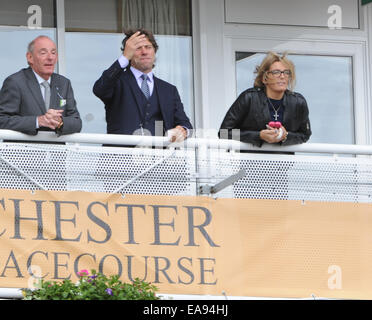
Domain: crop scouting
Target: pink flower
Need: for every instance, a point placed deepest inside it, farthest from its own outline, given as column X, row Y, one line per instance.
column 83, row 273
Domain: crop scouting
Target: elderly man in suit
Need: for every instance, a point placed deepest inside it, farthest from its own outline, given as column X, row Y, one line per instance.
column 36, row 98
column 136, row 101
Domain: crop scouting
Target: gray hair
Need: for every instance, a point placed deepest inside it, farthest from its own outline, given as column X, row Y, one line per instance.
column 31, row 45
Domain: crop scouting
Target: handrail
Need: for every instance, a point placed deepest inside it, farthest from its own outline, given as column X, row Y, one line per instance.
column 224, row 144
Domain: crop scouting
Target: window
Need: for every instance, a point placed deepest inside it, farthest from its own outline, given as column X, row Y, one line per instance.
column 168, row 17
column 93, row 43
column 20, row 13
column 165, row 17
column 19, row 19
column 92, row 16
column 326, row 82
column 13, row 55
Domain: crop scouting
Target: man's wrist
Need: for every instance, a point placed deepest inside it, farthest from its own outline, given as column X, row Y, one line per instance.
column 187, row 131
column 123, row 61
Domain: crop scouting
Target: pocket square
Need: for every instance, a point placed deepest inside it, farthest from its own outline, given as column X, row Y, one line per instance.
column 62, row 102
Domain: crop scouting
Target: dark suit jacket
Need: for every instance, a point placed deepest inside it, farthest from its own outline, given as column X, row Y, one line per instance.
column 250, row 114
column 21, row 102
column 119, row 92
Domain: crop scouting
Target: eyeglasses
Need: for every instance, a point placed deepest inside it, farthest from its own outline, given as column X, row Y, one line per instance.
column 278, row 73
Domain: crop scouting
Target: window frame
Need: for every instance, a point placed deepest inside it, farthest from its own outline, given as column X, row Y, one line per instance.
column 303, row 45
column 319, row 134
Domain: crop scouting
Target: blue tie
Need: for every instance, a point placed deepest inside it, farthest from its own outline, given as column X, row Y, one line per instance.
column 145, row 87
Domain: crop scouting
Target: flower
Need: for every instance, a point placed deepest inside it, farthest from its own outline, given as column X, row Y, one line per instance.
column 92, row 286
column 91, row 279
column 83, row 273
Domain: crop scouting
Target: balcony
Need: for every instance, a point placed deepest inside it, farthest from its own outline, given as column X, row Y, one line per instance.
column 272, row 177
column 319, row 172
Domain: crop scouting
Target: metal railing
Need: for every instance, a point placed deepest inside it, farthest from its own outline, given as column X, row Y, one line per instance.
column 145, row 141
column 197, row 166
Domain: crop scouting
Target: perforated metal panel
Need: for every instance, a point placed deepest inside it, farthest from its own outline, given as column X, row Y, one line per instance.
column 182, row 172
column 293, row 177
column 97, row 169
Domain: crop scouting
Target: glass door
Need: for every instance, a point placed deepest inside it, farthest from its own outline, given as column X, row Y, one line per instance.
column 326, row 82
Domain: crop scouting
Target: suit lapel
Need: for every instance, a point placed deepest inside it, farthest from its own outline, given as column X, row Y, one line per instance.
column 162, row 102
column 54, row 99
column 34, row 87
column 135, row 90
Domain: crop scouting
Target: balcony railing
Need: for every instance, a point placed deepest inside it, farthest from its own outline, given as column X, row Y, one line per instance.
column 197, row 166
column 113, row 139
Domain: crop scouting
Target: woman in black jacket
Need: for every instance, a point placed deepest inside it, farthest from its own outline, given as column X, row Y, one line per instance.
column 271, row 111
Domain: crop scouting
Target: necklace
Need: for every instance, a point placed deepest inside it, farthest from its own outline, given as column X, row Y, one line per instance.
column 276, row 115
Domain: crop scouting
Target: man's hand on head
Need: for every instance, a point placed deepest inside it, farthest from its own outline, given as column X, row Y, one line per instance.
column 132, row 44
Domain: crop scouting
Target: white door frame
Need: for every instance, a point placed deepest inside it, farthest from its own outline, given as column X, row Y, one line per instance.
column 355, row 49
column 215, row 44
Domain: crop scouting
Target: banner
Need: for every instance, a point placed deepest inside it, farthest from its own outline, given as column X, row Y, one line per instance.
column 189, row 245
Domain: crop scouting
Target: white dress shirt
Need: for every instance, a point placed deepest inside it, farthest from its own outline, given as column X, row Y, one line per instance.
column 123, row 61
column 40, row 80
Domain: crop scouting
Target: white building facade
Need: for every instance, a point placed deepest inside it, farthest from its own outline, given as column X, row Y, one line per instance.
column 209, row 50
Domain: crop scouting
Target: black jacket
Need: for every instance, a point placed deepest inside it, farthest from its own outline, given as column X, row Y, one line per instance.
column 250, row 113
column 123, row 101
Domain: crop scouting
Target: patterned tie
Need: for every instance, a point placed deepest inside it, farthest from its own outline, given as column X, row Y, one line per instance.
column 45, row 84
column 145, row 87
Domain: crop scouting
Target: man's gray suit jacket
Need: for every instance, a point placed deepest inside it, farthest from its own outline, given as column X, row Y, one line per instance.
column 21, row 102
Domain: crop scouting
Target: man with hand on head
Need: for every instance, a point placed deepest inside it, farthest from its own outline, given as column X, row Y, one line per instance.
column 136, row 101
column 36, row 98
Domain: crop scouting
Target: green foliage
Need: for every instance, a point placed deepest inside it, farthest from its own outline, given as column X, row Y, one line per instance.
column 94, row 286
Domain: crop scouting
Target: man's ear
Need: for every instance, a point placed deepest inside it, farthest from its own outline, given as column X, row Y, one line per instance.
column 29, row 58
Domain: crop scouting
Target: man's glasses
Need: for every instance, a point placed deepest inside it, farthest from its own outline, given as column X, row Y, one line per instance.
column 278, row 73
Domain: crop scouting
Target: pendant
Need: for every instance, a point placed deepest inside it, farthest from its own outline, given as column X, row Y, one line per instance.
column 276, row 116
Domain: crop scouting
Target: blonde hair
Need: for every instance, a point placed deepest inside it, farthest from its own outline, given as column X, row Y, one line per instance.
column 265, row 65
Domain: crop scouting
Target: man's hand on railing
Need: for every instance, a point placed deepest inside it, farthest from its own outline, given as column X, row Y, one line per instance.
column 51, row 119
column 177, row 134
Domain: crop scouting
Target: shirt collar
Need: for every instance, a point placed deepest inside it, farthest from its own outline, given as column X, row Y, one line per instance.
column 284, row 99
column 138, row 74
column 40, row 79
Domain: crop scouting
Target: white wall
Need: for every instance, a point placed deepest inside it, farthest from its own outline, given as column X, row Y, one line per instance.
column 288, row 12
